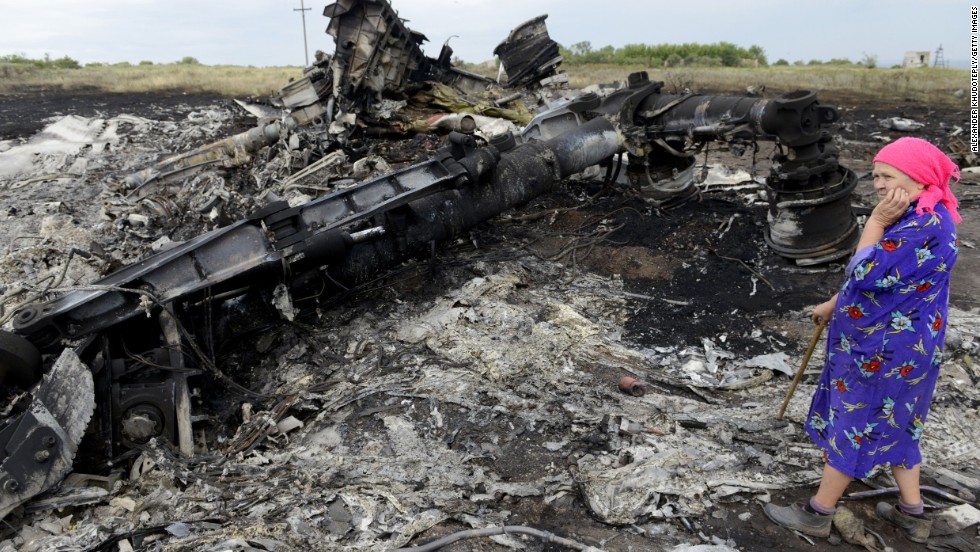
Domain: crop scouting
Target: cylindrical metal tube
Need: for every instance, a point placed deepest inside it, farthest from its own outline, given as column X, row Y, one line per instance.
column 523, row 173
column 706, row 116
column 814, row 230
column 584, row 146
column 631, row 386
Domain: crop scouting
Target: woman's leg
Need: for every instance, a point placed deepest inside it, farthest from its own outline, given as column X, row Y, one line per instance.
column 833, row 483
column 909, row 516
column 816, row 517
column 908, row 483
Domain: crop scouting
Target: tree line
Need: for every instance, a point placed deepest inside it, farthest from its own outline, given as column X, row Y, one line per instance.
column 65, row 62
column 720, row 54
column 59, row 63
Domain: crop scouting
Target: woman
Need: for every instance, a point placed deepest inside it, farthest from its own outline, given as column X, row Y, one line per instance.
column 885, row 340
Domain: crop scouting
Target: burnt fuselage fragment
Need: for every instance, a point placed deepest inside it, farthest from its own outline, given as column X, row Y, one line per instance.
column 529, row 55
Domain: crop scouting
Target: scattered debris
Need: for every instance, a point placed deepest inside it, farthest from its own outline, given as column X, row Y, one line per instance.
column 900, row 124
column 960, row 517
column 309, row 336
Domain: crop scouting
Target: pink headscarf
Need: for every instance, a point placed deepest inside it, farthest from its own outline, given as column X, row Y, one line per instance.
column 927, row 165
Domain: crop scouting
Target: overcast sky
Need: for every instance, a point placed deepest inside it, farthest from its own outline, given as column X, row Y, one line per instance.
column 270, row 32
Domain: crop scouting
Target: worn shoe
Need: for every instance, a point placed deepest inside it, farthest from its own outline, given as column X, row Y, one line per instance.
column 915, row 529
column 795, row 517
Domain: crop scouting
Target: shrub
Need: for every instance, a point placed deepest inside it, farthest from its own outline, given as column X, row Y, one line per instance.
column 17, row 59
column 729, row 55
column 725, row 53
column 66, row 62
column 781, row 61
column 146, row 62
column 188, row 60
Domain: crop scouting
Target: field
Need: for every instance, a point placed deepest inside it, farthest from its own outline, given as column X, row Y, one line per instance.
column 938, row 86
column 831, row 81
column 185, row 78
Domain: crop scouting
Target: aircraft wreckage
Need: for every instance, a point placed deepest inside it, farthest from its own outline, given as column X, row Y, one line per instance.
column 116, row 362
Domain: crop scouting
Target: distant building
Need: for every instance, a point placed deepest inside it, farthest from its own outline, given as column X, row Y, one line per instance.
column 916, row 59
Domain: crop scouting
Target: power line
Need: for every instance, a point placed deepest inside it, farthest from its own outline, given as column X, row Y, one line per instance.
column 302, row 9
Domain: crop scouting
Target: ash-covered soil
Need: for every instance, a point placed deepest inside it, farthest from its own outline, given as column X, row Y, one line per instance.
column 24, row 113
column 478, row 387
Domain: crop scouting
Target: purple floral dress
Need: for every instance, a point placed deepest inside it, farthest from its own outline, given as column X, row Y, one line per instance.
column 884, row 347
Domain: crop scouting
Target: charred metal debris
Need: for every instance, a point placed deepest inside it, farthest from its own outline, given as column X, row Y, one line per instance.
column 120, row 369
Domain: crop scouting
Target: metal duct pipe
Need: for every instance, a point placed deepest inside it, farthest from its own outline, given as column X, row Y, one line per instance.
column 523, row 173
column 795, row 119
column 699, row 116
column 584, row 146
column 810, row 218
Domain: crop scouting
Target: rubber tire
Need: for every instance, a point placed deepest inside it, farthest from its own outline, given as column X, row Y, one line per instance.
column 20, row 361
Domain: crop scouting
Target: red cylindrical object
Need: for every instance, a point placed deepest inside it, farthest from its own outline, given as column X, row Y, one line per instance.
column 631, row 386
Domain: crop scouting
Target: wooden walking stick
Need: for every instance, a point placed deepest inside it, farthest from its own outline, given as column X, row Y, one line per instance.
column 799, row 373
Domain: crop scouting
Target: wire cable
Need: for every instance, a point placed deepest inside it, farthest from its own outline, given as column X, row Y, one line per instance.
column 504, row 530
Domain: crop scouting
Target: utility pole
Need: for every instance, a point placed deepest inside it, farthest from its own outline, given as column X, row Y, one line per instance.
column 302, row 9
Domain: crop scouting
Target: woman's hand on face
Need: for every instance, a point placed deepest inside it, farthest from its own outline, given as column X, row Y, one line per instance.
column 891, row 207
